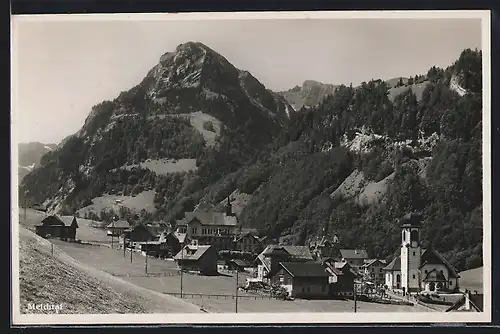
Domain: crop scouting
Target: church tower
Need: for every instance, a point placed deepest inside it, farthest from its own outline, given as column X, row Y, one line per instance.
column 410, row 252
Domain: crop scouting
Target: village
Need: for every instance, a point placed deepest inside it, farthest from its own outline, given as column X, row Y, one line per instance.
column 209, row 258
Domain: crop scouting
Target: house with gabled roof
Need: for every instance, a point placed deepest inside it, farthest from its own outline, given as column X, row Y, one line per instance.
column 63, row 227
column 341, row 280
column 355, row 257
column 197, row 258
column 373, row 270
column 302, row 279
column 117, row 228
column 210, row 227
column 268, row 260
column 141, row 233
column 247, row 242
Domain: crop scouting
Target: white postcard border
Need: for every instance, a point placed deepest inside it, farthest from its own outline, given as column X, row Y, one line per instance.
column 266, row 318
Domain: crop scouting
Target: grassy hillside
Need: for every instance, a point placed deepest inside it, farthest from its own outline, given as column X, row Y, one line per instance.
column 59, row 279
column 472, row 279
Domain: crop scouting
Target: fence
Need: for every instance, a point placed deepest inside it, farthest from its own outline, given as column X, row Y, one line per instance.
column 148, row 274
column 217, row 296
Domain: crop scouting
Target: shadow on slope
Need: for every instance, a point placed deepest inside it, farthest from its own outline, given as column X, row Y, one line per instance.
column 60, row 279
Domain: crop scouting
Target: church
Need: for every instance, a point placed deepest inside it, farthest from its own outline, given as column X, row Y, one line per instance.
column 418, row 269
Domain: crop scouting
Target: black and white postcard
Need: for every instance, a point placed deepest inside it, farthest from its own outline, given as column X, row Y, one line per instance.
column 274, row 167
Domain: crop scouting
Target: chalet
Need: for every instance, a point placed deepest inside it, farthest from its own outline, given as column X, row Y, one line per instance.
column 248, row 242
column 198, row 258
column 393, row 274
column 211, row 228
column 240, row 265
column 355, row 257
column 167, row 245
column 117, row 228
column 468, row 303
column 268, row 260
column 341, row 279
column 141, row 233
column 62, row 227
column 302, row 279
column 372, row 269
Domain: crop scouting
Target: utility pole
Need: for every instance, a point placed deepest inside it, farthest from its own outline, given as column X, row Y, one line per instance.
column 182, row 263
column 131, row 254
column 52, row 249
column 354, row 295
column 146, row 266
column 236, row 297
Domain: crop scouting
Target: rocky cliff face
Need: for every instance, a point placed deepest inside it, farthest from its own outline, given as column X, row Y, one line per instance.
column 310, row 94
column 194, row 104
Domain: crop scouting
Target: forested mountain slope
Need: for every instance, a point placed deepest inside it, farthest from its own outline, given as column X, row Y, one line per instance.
column 350, row 166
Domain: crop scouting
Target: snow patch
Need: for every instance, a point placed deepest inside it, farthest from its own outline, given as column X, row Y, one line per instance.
column 48, row 148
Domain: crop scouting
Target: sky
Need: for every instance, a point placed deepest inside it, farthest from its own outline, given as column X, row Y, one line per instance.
column 63, row 68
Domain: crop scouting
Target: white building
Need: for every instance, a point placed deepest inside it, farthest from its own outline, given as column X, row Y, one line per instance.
column 417, row 269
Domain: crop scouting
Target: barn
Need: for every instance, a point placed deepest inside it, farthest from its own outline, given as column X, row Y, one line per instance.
column 62, row 227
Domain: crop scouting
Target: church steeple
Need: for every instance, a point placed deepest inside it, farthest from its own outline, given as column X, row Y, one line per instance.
column 410, row 251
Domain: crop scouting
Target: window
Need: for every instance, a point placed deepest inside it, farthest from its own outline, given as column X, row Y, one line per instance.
column 425, row 271
column 413, row 253
column 413, row 276
column 451, row 282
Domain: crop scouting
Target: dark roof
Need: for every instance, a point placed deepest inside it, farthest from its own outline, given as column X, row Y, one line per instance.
column 305, row 269
column 331, row 266
column 293, row 252
column 434, row 276
column 241, row 263
column 430, row 256
column 151, row 230
column 411, row 219
column 243, row 235
column 62, row 220
column 370, row 262
column 209, row 218
column 192, row 252
column 394, row 265
column 119, row 224
column 354, row 253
